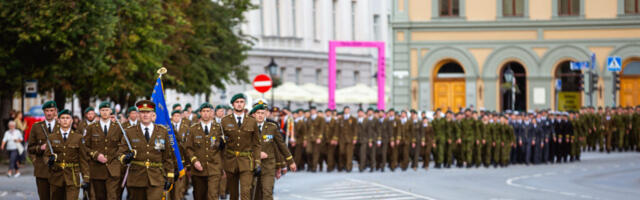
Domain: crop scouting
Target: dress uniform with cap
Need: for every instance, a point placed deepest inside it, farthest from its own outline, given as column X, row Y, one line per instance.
column 69, row 164
column 84, row 124
column 38, row 137
column 347, row 135
column 272, row 145
column 316, row 130
column 127, row 114
column 181, row 130
column 152, row 162
column 103, row 139
column 205, row 146
column 242, row 151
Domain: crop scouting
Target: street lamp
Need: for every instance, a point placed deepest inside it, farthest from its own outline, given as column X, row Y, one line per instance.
column 508, row 77
column 273, row 70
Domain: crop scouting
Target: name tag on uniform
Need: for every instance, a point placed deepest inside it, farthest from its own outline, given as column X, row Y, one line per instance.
column 135, row 140
column 229, row 125
column 198, row 137
column 96, row 135
column 56, row 141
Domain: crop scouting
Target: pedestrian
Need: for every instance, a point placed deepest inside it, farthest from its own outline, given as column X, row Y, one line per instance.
column 12, row 142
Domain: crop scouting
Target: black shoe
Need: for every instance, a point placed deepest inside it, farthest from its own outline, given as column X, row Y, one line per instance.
column 437, row 166
column 371, row 170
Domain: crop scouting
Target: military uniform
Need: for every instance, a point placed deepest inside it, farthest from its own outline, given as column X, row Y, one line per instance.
column 272, row 145
column 386, row 132
column 242, row 153
column 427, row 143
column 153, row 165
column 417, row 137
column 40, row 170
column 331, row 135
column 347, row 134
column 181, row 184
column 300, row 138
column 316, row 133
column 202, row 146
column 70, row 164
column 440, row 134
column 404, row 136
column 106, row 176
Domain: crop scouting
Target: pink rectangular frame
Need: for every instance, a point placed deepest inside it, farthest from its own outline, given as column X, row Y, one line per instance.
column 332, row 68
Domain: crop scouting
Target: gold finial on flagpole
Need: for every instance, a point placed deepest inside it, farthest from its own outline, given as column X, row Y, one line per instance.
column 162, row 71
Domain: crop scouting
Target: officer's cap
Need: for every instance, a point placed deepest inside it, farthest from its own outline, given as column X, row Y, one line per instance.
column 258, row 107
column 146, row 106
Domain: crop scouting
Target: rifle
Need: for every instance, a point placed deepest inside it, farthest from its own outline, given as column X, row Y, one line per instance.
column 124, row 133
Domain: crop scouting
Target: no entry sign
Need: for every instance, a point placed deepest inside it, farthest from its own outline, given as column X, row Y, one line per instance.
column 262, row 83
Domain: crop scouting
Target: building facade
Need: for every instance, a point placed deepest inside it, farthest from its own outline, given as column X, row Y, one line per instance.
column 454, row 53
column 296, row 35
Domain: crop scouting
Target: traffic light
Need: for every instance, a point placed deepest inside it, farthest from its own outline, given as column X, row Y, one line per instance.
column 616, row 81
column 594, row 81
column 581, row 84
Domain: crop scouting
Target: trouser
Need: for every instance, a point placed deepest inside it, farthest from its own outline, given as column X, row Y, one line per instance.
column 545, row 151
column 477, row 153
column 513, row 156
column 506, row 151
column 205, row 187
column 405, row 147
column 496, row 152
column 440, row 151
column 222, row 190
column 415, row 156
column 383, row 152
column 179, row 186
column 144, row 193
column 14, row 157
column 372, row 156
column 44, row 189
column 315, row 155
column 394, row 156
column 331, row 157
column 537, row 153
column 426, row 155
column 308, row 155
column 448, row 153
column 105, row 189
column 526, row 148
column 298, row 155
column 345, row 160
column 265, row 184
column 487, row 153
column 240, row 179
column 65, row 192
column 362, row 156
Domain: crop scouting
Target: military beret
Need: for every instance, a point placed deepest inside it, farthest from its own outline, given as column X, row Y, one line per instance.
column 369, row 109
column 206, row 105
column 146, row 106
column 299, row 110
column 175, row 105
column 174, row 112
column 218, row 107
column 340, row 113
column 237, row 96
column 132, row 108
column 104, row 104
column 327, row 110
column 413, row 111
column 88, row 109
column 49, row 104
column 306, row 110
column 312, row 108
column 64, row 112
column 258, row 107
column 391, row 110
column 186, row 106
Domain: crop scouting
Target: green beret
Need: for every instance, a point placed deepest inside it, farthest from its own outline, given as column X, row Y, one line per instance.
column 132, row 108
column 174, row 112
column 187, row 106
column 218, row 107
column 206, row 105
column 340, row 113
column 298, row 110
column 327, row 110
column 237, row 96
column 49, row 104
column 175, row 105
column 104, row 104
column 413, row 111
column 64, row 112
column 312, row 108
column 86, row 110
column 391, row 110
column 257, row 107
column 370, row 109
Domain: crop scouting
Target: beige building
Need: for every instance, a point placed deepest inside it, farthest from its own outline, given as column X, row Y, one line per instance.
column 454, row 53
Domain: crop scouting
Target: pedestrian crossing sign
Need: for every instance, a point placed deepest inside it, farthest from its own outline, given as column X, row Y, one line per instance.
column 614, row 63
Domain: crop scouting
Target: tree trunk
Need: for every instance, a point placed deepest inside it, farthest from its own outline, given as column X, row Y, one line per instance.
column 85, row 101
column 60, row 97
column 6, row 103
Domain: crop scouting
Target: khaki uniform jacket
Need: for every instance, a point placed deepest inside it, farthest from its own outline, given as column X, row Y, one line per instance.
column 71, row 159
column 83, row 125
column 157, row 153
column 274, row 147
column 316, row 128
column 109, row 146
column 330, row 132
column 403, row 132
column 204, row 148
column 388, row 129
column 348, row 129
column 36, row 139
column 300, row 130
column 243, row 144
column 182, row 134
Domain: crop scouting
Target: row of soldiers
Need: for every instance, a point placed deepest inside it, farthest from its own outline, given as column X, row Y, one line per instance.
column 377, row 139
column 104, row 156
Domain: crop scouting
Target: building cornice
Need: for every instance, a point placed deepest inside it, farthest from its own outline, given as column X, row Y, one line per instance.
column 519, row 24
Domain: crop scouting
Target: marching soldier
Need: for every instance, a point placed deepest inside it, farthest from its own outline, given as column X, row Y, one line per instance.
column 89, row 118
column 347, row 139
column 38, row 138
column 392, row 129
column 427, row 142
column 103, row 147
column 272, row 145
column 316, row 137
column 151, row 156
column 468, row 127
column 440, row 140
column 331, row 136
column 382, row 143
column 180, row 128
column 67, row 160
column 508, row 138
column 300, row 131
column 403, row 139
column 417, row 137
column 132, row 117
column 242, row 151
column 220, row 113
column 204, row 149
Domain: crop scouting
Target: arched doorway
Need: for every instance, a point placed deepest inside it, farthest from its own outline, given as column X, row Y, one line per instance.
column 629, row 81
column 448, row 86
column 520, row 75
column 569, row 95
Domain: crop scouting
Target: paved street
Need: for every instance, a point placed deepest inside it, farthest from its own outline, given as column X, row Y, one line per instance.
column 598, row 176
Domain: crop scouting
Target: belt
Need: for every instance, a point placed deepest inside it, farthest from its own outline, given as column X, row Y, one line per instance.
column 147, row 164
column 67, row 165
column 239, row 153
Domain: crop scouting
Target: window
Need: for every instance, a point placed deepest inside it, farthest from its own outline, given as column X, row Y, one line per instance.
column 631, row 7
column 278, row 17
column 298, row 75
column 376, row 27
column 338, row 77
column 449, row 8
column 356, row 77
column 353, row 20
column 568, row 7
column 283, row 70
column 334, row 18
column 293, row 18
column 513, row 8
column 318, row 76
column 314, row 12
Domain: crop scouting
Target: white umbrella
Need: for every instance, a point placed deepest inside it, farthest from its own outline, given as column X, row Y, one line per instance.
column 288, row 91
column 320, row 93
column 359, row 93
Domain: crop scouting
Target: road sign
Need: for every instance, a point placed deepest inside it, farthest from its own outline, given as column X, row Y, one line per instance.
column 593, row 61
column 577, row 66
column 262, row 83
column 614, row 63
column 31, row 88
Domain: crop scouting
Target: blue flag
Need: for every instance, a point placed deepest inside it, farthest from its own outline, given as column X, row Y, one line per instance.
column 162, row 118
